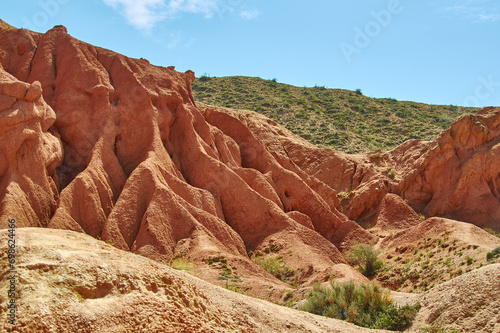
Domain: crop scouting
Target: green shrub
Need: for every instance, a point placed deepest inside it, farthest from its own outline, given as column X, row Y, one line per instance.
column 276, row 266
column 497, row 234
column 495, row 253
column 367, row 305
column 182, row 264
column 345, row 195
column 366, row 257
column 374, row 156
column 205, row 78
column 391, row 173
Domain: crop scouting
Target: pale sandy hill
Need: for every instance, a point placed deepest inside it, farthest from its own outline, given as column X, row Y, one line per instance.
column 71, row 282
column 469, row 303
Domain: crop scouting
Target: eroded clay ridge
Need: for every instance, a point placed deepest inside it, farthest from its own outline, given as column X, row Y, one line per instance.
column 115, row 147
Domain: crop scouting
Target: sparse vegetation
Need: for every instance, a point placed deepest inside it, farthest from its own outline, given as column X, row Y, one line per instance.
column 226, row 272
column 346, row 194
column 276, row 266
column 419, row 266
column 288, row 298
column 233, row 287
column 107, row 241
column 493, row 254
column 366, row 305
column 204, row 78
column 365, row 257
column 182, row 264
column 391, row 173
column 497, row 234
column 340, row 119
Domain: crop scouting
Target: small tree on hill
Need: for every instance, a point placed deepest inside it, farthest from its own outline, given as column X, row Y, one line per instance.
column 366, row 257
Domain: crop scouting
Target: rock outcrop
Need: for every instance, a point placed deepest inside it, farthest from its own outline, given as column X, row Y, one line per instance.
column 456, row 176
column 117, row 148
column 133, row 161
column 30, row 152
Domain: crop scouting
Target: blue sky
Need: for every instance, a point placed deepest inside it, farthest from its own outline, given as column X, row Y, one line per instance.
column 438, row 52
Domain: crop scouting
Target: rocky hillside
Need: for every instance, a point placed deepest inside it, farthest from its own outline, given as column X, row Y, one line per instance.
column 72, row 282
column 339, row 119
column 75, row 283
column 116, row 148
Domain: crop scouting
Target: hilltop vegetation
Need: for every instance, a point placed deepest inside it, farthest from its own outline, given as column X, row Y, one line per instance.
column 340, row 119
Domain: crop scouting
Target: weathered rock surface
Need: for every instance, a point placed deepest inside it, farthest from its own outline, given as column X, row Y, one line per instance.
column 468, row 303
column 457, row 176
column 95, row 142
column 29, row 153
column 71, row 282
column 134, row 162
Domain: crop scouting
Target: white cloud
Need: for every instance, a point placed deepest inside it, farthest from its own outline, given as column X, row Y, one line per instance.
column 205, row 7
column 142, row 14
column 475, row 11
column 145, row 14
column 249, row 14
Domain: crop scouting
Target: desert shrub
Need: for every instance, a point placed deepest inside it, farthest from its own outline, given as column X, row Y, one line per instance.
column 182, row 264
column 493, row 254
column 497, row 234
column 205, row 78
column 276, row 266
column 391, row 173
column 366, row 257
column 346, row 194
column 367, row 305
column 375, row 156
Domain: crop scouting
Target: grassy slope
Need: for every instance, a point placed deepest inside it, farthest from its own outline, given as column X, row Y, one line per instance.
column 335, row 118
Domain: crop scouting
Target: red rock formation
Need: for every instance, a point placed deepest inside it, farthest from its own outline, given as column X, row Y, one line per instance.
column 458, row 175
column 148, row 169
column 394, row 213
column 144, row 169
column 30, row 153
